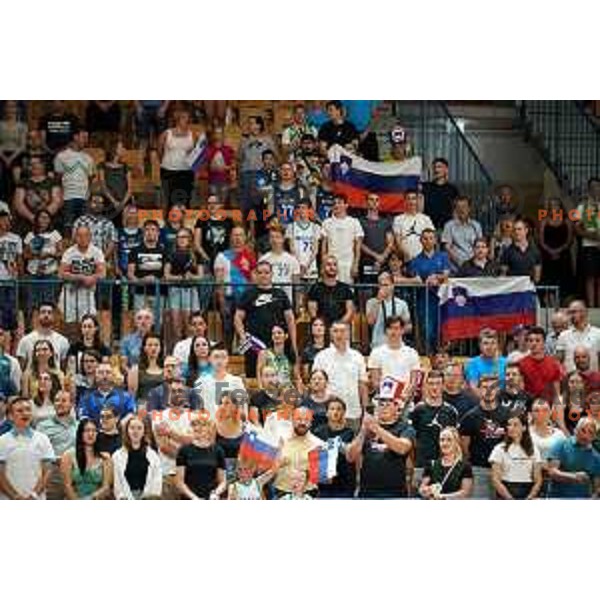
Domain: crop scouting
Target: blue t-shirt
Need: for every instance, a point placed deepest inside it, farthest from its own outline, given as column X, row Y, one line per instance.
column 424, row 266
column 573, row 458
column 360, row 112
column 478, row 366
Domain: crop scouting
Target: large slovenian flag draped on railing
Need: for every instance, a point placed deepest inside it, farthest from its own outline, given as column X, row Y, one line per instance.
column 467, row 305
column 356, row 177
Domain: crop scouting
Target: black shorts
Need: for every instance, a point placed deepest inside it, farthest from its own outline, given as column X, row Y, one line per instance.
column 590, row 261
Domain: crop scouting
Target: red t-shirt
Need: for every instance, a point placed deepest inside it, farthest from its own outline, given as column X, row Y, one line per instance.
column 539, row 375
column 224, row 156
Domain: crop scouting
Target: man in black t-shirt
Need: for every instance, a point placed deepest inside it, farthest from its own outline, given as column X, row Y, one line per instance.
column 384, row 443
column 514, row 396
column 439, row 194
column 456, row 393
column 58, row 127
column 522, row 257
column 337, row 130
column 335, row 431
column 482, row 428
column 146, row 264
column 211, row 235
column 259, row 309
column 331, row 299
column 428, row 418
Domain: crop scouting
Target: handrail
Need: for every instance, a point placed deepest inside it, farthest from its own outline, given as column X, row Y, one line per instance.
column 465, row 141
column 567, row 139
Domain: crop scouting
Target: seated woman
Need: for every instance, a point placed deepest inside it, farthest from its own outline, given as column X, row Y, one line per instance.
column 316, row 398
column 318, row 341
column 198, row 363
column 136, row 466
column 201, row 464
column 48, row 385
column 89, row 339
column 230, row 430
column 148, row 373
column 281, row 358
column 449, row 477
column 109, row 436
column 516, row 463
column 42, row 361
column 86, row 472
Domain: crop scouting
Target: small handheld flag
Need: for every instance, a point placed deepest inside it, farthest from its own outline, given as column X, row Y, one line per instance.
column 252, row 344
column 322, row 462
column 258, row 450
column 197, row 155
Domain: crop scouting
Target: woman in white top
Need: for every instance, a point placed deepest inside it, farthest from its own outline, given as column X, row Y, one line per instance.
column 176, row 175
column 136, row 466
column 516, row 463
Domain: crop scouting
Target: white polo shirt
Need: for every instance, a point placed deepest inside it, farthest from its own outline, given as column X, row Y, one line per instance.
column 345, row 371
column 395, row 362
column 22, row 454
column 569, row 339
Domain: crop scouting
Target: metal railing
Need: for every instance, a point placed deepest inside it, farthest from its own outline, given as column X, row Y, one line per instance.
column 434, row 132
column 567, row 138
column 118, row 300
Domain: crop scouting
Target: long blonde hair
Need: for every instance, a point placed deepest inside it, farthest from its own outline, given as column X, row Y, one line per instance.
column 456, row 447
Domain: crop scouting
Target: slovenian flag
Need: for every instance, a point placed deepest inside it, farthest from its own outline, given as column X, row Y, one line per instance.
column 197, row 155
column 356, row 177
column 322, row 462
column 467, row 305
column 258, row 449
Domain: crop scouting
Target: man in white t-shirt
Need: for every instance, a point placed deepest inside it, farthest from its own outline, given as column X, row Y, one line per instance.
column 342, row 237
column 82, row 265
column 285, row 266
column 346, row 370
column 26, row 456
column 393, row 358
column 408, row 227
column 43, row 331
column 580, row 333
column 211, row 387
column 76, row 170
column 304, row 236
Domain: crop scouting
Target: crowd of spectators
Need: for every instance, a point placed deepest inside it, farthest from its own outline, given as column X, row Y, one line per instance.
column 130, row 391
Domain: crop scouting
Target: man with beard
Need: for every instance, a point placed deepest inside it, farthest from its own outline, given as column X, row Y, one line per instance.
column 481, row 429
column 43, row 331
column 294, row 452
column 331, row 298
column 172, row 429
column 382, row 446
column 335, row 431
column 514, row 396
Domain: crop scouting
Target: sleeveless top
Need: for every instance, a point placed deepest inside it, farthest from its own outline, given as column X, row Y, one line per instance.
column 281, row 364
column 247, row 491
column 177, row 148
column 87, row 483
column 147, row 382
